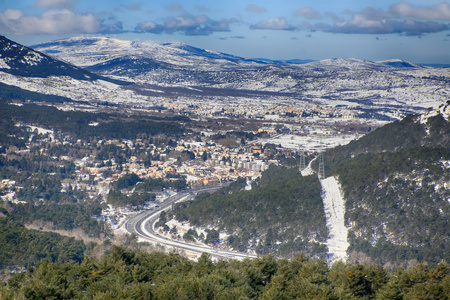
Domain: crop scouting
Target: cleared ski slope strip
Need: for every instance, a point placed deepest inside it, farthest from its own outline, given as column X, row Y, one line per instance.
column 334, row 206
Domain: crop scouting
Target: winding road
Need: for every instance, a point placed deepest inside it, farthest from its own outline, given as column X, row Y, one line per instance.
column 143, row 226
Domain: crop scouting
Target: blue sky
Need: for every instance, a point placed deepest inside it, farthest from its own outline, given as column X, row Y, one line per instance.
column 414, row 30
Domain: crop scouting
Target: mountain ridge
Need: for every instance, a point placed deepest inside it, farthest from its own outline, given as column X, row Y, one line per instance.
column 392, row 85
column 19, row 60
column 188, row 50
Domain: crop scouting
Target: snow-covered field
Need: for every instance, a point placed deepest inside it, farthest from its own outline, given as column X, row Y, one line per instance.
column 310, row 142
column 334, row 206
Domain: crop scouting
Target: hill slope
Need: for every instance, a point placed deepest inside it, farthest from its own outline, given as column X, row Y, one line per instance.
column 283, row 214
column 396, row 185
column 395, row 84
column 18, row 60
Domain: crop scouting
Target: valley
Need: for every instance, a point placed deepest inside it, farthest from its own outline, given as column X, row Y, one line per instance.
column 96, row 130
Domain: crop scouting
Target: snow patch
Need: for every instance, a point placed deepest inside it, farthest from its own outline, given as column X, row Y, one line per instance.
column 4, row 65
column 443, row 110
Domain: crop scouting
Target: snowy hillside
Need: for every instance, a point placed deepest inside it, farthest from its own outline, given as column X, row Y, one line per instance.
column 389, row 84
column 89, row 52
column 18, row 60
column 396, row 186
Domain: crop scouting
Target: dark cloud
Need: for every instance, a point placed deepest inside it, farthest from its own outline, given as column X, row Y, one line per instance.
column 308, row 13
column 150, row 27
column 256, row 9
column 274, row 24
column 111, row 26
column 241, row 37
column 187, row 24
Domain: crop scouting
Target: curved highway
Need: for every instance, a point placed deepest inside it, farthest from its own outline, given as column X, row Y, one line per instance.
column 143, row 226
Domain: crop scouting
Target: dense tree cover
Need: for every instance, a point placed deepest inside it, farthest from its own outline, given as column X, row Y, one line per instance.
column 127, row 181
column 76, row 123
column 235, row 138
column 396, row 190
column 126, row 274
column 16, row 93
column 159, row 184
column 37, row 167
column 38, row 183
column 20, row 246
column 136, row 199
column 282, row 213
column 395, row 136
column 64, row 216
column 408, row 213
column 130, row 190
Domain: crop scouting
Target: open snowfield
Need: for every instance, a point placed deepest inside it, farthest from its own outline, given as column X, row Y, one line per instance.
column 310, row 142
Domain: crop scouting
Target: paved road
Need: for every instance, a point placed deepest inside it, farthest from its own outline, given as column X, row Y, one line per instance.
column 143, row 226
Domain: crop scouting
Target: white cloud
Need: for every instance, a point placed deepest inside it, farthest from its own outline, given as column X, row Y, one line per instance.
column 363, row 25
column 188, row 24
column 404, row 10
column 400, row 18
column 50, row 22
column 273, row 24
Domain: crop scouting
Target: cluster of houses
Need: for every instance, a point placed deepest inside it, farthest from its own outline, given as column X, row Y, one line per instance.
column 264, row 111
column 219, row 166
column 208, row 164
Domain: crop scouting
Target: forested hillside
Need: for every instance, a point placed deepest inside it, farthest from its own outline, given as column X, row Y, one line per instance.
column 42, row 182
column 78, row 124
column 282, row 213
column 396, row 185
column 21, row 247
column 409, row 132
column 125, row 274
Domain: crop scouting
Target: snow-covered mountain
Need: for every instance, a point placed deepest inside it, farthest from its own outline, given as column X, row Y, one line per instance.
column 387, row 84
column 18, row 60
column 93, row 52
column 86, row 69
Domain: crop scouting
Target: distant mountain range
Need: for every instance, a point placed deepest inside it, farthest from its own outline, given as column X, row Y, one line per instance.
column 113, row 56
column 348, row 81
column 179, row 71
